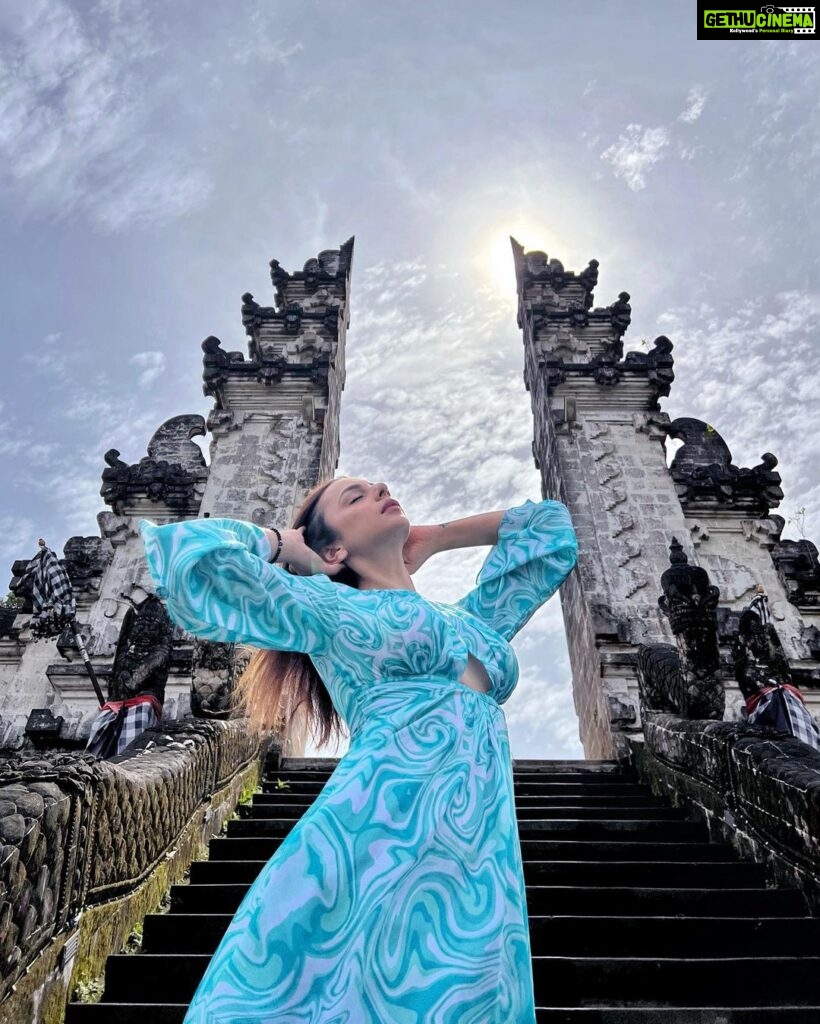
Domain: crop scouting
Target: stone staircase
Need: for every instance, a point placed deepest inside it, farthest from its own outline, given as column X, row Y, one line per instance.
column 634, row 915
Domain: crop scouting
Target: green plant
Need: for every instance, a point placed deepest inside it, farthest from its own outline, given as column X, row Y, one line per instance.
column 11, row 601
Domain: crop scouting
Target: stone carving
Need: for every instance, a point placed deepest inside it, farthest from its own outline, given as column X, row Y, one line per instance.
column 143, row 654
column 169, row 474
column 705, row 477
column 685, row 680
column 589, row 278
column 536, row 266
column 85, row 560
column 253, row 315
column 621, row 313
column 218, row 366
column 216, row 666
column 329, row 267
column 606, row 367
column 657, row 363
column 797, row 566
column 76, row 831
column 655, row 424
column 758, row 655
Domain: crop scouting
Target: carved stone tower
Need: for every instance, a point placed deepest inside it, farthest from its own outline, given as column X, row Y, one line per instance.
column 599, row 442
column 274, row 432
column 275, row 424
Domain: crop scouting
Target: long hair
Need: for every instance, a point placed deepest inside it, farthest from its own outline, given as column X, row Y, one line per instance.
column 275, row 684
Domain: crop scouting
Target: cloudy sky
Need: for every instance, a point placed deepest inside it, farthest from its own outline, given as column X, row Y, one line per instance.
column 154, row 157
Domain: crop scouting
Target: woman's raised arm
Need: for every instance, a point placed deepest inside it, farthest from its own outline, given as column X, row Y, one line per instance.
column 535, row 551
column 216, row 580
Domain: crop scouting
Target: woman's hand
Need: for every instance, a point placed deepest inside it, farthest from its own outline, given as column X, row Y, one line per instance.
column 302, row 560
column 421, row 543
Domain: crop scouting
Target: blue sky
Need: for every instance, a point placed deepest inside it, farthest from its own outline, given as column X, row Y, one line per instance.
column 155, row 157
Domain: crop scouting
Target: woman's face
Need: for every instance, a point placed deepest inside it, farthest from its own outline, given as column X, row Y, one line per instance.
column 363, row 515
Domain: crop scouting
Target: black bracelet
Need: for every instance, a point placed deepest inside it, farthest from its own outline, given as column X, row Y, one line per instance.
column 279, row 549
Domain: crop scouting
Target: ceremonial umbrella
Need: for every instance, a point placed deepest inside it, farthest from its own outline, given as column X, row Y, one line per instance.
column 54, row 608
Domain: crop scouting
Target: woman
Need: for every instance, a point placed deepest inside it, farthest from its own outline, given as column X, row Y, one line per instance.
column 398, row 897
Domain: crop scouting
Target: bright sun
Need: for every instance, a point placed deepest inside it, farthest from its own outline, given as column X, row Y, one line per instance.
column 497, row 254
column 500, row 264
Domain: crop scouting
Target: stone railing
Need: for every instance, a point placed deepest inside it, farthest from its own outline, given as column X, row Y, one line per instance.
column 78, row 834
column 755, row 787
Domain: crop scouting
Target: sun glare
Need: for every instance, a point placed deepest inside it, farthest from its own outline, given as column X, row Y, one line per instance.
column 497, row 254
column 500, row 265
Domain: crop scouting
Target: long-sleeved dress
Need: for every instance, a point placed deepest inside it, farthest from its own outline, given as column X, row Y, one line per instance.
column 398, row 897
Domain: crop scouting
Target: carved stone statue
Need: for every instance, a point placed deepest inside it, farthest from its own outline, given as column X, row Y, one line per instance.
column 685, row 681
column 143, row 654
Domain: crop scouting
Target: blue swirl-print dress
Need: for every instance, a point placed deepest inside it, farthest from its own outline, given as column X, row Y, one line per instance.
column 398, row 897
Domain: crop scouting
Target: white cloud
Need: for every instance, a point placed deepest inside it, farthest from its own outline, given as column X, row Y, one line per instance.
column 152, row 364
column 755, row 409
column 17, row 536
column 256, row 44
column 452, row 442
column 74, row 119
column 639, row 149
column 695, row 102
column 635, row 153
column 267, row 50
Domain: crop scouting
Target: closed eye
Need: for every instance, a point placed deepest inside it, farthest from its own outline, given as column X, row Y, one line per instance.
column 355, row 500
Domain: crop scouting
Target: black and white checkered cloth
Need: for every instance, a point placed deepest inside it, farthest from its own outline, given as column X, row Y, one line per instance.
column 759, row 605
column 780, row 707
column 119, row 722
column 51, row 591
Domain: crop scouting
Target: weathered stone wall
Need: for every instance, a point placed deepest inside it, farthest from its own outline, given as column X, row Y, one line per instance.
column 761, row 794
column 600, row 442
column 77, row 834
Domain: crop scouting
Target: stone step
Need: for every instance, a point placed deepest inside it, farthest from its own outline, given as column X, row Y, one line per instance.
column 546, row 790
column 653, row 901
column 635, row 917
column 169, row 1013
column 579, row 766
column 560, row 981
column 263, row 847
column 538, row 809
column 764, row 980
column 679, row 1015
column 591, row 766
column 636, row 797
column 625, row 848
column 707, row 936
column 564, row 935
column 583, row 778
column 569, row 828
column 701, row 874
column 598, row 900
column 568, row 774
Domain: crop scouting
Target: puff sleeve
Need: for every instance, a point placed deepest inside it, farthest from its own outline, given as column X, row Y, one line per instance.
column 535, row 552
column 214, row 577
